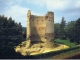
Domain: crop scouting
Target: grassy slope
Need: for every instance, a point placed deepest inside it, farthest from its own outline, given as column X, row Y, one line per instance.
column 66, row 42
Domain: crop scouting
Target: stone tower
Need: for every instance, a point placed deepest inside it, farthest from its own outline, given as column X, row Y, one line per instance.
column 40, row 28
column 40, row 34
column 28, row 24
column 49, row 26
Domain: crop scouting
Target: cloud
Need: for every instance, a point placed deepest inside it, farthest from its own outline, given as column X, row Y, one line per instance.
column 18, row 13
column 77, row 5
column 40, row 3
column 13, row 2
column 56, row 4
column 17, row 9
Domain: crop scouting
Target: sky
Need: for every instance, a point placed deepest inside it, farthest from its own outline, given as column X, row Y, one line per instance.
column 17, row 9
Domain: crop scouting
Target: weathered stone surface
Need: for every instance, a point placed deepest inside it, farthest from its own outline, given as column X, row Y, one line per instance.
column 40, row 34
column 40, row 28
column 28, row 43
column 39, row 48
column 49, row 44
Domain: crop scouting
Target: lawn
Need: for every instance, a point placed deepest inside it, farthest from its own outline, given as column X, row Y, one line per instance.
column 66, row 42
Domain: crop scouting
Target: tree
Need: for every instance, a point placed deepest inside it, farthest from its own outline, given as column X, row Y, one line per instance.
column 10, row 35
column 62, row 29
column 56, row 30
column 70, row 31
column 77, row 31
column 24, row 32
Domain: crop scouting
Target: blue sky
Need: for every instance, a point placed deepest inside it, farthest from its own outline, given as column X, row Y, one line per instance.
column 17, row 9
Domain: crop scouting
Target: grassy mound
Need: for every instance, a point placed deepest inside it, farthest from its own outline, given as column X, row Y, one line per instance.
column 65, row 42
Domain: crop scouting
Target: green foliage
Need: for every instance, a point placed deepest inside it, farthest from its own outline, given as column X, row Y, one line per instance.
column 70, row 30
column 56, row 30
column 59, row 29
column 77, row 31
column 70, row 25
column 24, row 32
column 62, row 33
column 24, row 29
column 10, row 34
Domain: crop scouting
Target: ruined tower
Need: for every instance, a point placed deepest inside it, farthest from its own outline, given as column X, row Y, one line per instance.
column 49, row 26
column 40, row 28
column 28, row 25
column 40, row 35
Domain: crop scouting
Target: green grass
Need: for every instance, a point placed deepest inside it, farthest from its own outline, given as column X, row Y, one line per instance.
column 66, row 42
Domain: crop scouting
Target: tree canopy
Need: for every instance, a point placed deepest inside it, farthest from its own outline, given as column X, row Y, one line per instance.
column 68, row 30
column 10, row 34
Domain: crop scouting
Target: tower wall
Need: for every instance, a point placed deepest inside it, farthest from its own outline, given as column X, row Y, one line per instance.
column 40, row 27
column 28, row 25
column 50, row 26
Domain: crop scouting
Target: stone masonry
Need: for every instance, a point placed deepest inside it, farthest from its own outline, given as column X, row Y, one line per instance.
column 40, row 35
column 40, row 28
